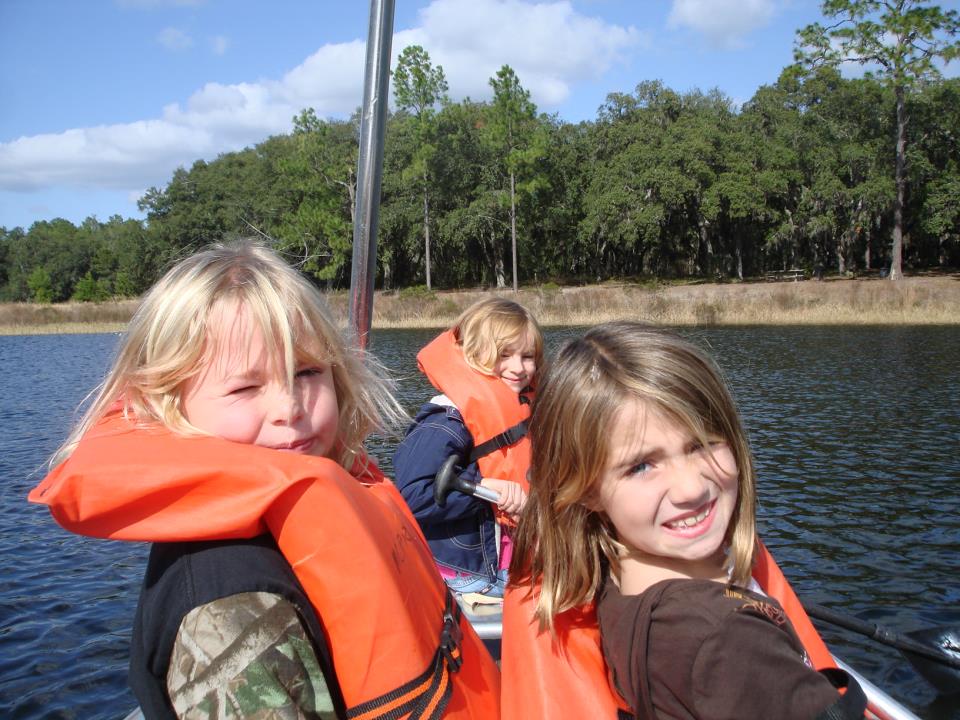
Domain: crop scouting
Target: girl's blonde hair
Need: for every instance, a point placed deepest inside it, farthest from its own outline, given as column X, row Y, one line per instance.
column 168, row 337
column 560, row 541
column 488, row 326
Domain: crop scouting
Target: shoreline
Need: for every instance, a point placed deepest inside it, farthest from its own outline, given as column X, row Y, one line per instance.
column 916, row 300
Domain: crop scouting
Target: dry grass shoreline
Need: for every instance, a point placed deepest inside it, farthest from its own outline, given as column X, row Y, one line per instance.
column 920, row 300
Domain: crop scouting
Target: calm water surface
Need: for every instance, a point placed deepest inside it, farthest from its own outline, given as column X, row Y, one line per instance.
column 856, row 433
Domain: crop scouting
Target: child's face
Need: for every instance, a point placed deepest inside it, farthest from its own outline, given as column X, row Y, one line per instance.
column 239, row 396
column 517, row 363
column 665, row 494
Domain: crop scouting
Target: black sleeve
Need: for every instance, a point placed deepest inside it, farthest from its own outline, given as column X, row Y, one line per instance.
column 851, row 704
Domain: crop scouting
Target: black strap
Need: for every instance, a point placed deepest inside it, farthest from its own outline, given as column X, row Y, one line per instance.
column 426, row 696
column 507, row 438
column 851, row 704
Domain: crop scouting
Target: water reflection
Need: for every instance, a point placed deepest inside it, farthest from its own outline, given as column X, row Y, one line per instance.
column 855, row 432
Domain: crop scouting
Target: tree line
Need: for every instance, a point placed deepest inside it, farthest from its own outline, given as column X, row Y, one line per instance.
column 817, row 171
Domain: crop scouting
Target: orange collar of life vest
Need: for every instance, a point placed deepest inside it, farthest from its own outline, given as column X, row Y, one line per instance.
column 487, row 405
column 566, row 675
column 352, row 543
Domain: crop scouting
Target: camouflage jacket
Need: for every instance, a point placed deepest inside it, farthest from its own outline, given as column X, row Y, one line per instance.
column 246, row 656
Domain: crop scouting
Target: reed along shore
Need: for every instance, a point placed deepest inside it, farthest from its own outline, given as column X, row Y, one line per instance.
column 916, row 300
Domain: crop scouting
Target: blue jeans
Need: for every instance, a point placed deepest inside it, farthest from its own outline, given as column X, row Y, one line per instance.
column 468, row 583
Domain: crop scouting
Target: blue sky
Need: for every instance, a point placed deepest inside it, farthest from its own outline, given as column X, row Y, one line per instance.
column 102, row 99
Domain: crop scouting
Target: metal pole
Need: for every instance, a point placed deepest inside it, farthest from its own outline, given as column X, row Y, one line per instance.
column 373, row 122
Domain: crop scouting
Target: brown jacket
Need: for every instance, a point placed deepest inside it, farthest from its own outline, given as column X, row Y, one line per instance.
column 697, row 649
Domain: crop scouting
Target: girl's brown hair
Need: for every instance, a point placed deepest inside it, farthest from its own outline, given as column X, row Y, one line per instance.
column 560, row 542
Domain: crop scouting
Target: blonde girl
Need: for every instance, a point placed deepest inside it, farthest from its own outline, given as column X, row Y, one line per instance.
column 221, row 434
column 215, row 302
column 642, row 505
column 485, row 368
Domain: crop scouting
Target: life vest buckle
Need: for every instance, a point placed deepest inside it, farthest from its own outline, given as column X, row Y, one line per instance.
column 451, row 636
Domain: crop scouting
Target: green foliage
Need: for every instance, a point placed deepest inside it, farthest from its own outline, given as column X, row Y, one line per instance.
column 315, row 173
column 899, row 42
column 518, row 145
column 124, row 285
column 661, row 185
column 90, row 290
column 38, row 282
column 417, row 292
column 418, row 87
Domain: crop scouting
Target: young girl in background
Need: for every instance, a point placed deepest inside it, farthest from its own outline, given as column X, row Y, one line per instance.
column 642, row 507
column 485, row 368
column 229, row 432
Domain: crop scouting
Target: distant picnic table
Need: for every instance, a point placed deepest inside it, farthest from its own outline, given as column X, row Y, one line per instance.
column 794, row 274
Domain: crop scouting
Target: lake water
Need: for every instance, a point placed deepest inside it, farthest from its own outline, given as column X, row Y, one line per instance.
column 856, row 433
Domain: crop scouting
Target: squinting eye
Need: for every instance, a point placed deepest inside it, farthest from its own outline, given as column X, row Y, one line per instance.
column 696, row 445
column 244, row 389
column 639, row 468
column 309, row 372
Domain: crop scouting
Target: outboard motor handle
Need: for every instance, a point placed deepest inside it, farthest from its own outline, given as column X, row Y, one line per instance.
column 446, row 481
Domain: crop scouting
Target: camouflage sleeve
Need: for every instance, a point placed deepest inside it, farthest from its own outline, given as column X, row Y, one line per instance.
column 246, row 656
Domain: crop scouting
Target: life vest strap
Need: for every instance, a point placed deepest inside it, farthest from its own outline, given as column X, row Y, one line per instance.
column 426, row 696
column 505, row 439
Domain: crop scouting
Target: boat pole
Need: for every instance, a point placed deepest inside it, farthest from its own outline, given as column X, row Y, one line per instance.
column 373, row 121
column 885, row 636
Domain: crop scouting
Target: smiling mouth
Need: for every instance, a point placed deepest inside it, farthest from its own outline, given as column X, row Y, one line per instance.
column 691, row 520
column 298, row 446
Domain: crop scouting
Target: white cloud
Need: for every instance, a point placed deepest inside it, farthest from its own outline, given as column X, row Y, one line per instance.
column 217, row 118
column 725, row 23
column 219, row 44
column 330, row 80
column 550, row 46
column 174, row 39
column 114, row 156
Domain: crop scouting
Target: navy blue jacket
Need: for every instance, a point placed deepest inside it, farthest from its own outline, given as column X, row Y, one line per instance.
column 462, row 535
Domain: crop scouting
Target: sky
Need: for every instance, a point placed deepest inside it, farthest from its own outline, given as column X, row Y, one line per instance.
column 102, row 99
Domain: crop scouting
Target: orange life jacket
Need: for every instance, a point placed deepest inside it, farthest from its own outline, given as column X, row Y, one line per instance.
column 566, row 676
column 487, row 405
column 563, row 676
column 351, row 541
